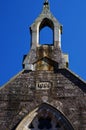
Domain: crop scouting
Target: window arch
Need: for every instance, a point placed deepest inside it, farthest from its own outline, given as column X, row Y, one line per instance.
column 45, row 117
column 46, row 22
column 46, row 30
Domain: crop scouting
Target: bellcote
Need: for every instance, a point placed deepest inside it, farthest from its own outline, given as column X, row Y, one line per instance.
column 46, row 19
column 45, row 57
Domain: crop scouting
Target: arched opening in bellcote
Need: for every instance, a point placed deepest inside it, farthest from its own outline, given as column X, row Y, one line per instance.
column 46, row 32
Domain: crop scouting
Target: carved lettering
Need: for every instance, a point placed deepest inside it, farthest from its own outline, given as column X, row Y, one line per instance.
column 43, row 85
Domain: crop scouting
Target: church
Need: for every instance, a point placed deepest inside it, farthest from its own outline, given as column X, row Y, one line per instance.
column 46, row 94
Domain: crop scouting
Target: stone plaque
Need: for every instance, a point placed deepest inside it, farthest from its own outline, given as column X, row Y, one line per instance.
column 43, row 85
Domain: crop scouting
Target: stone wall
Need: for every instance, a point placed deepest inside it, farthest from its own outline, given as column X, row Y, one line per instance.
column 63, row 90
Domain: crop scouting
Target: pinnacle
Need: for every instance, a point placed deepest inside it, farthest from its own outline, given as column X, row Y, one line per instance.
column 46, row 2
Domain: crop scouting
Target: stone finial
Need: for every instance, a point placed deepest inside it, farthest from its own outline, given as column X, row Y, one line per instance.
column 46, row 6
column 46, row 1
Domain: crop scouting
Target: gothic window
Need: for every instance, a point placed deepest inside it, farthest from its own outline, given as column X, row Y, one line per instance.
column 45, row 118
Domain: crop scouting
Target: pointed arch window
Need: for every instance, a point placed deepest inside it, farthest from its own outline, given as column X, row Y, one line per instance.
column 45, row 117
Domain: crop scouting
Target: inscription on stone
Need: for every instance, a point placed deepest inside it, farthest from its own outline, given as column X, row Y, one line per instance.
column 43, row 85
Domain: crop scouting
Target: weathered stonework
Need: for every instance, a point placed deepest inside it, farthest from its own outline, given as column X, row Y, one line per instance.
column 45, row 88
column 20, row 96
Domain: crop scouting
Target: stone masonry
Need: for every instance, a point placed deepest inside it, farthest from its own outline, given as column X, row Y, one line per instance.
column 44, row 84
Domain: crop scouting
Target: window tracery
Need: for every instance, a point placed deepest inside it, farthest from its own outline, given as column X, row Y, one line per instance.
column 45, row 117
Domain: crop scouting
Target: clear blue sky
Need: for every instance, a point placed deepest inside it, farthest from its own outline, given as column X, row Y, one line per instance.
column 15, row 18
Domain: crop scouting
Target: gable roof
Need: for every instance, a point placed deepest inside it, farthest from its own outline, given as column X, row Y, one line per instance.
column 66, row 72
column 74, row 78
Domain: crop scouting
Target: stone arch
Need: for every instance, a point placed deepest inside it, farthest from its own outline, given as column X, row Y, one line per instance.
column 45, row 117
column 42, row 21
column 47, row 23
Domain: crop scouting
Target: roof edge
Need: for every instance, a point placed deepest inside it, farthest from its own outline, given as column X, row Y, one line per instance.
column 11, row 79
column 77, row 76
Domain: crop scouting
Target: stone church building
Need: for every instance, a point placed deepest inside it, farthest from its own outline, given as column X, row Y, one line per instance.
column 45, row 95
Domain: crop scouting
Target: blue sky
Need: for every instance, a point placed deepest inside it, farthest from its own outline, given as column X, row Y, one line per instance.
column 15, row 18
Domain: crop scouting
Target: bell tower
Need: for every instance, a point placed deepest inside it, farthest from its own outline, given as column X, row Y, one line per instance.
column 46, row 56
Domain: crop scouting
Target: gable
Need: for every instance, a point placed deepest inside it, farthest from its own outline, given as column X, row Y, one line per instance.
column 21, row 95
